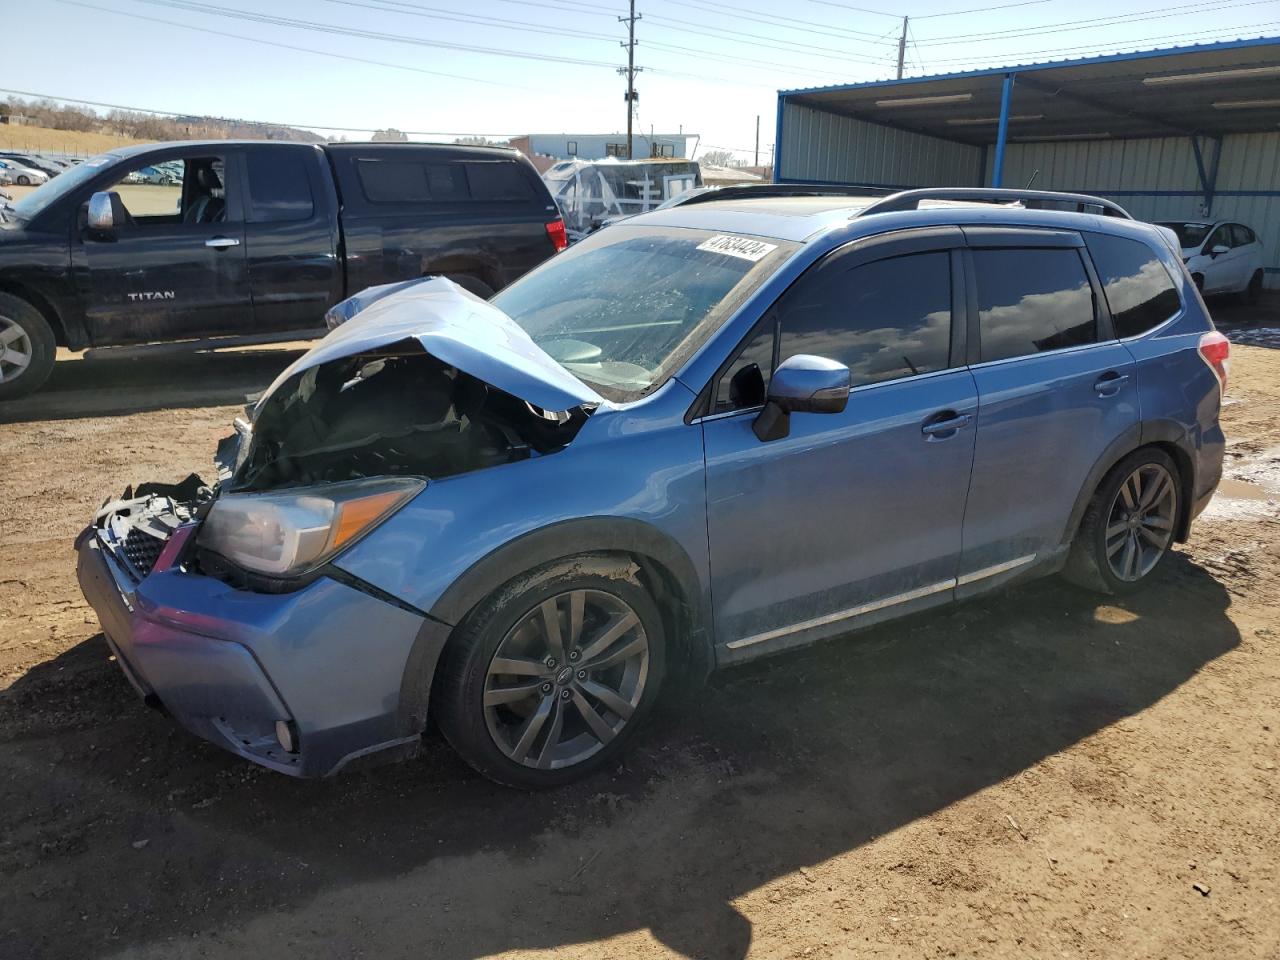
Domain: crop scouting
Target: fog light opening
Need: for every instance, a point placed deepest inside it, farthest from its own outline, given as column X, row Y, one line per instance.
column 287, row 734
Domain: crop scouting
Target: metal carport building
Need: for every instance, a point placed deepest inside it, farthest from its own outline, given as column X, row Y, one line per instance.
column 1188, row 132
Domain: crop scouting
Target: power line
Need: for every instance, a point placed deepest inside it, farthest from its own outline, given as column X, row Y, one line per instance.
column 961, row 13
column 1124, row 44
column 757, row 40
column 772, row 20
column 437, row 13
column 290, row 46
column 246, row 15
column 1087, row 24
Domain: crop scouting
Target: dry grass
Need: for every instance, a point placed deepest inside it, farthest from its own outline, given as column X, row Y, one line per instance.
column 44, row 140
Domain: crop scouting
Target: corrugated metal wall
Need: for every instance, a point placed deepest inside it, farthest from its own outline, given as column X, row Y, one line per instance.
column 1158, row 179
column 825, row 147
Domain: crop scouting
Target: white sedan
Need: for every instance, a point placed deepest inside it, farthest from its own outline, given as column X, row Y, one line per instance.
column 1222, row 256
column 23, row 176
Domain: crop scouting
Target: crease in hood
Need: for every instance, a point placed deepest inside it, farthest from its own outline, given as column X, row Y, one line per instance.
column 459, row 329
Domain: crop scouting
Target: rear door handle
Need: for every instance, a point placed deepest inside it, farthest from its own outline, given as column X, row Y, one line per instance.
column 221, row 243
column 1109, row 384
column 942, row 426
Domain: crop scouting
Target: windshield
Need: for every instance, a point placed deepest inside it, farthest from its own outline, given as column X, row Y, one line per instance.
column 623, row 308
column 34, row 203
column 1189, row 234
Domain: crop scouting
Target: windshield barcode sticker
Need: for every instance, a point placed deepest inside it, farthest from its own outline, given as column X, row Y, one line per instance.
column 741, row 247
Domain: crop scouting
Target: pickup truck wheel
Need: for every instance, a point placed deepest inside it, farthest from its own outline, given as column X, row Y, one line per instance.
column 471, row 285
column 27, row 348
column 548, row 677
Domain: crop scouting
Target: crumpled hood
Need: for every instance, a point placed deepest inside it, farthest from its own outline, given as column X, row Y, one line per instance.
column 461, row 330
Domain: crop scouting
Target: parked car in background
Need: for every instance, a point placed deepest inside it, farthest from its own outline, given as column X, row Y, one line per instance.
column 701, row 436
column 32, row 161
column 22, row 176
column 156, row 175
column 1222, row 256
column 254, row 240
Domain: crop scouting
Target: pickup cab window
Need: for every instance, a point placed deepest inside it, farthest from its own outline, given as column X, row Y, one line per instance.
column 184, row 191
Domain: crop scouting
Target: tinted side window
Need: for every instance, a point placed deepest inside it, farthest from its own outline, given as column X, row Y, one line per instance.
column 1138, row 288
column 1240, row 235
column 884, row 320
column 497, row 180
column 279, row 187
column 1032, row 300
column 393, row 181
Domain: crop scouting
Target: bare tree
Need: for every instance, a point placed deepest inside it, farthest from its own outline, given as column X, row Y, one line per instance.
column 717, row 158
column 389, row 135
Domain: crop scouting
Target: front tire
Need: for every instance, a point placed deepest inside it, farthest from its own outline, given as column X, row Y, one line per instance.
column 24, row 180
column 27, row 348
column 1253, row 292
column 1129, row 525
column 548, row 678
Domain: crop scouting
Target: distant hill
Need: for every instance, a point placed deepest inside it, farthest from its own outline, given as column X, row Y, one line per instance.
column 43, row 125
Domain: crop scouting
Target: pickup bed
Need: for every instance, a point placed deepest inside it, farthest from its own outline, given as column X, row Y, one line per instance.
column 252, row 241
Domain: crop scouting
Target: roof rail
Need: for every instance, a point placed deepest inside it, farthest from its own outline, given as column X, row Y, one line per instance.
column 749, row 190
column 910, row 199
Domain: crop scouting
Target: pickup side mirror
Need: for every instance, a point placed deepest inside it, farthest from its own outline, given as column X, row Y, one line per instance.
column 1219, row 249
column 801, row 384
column 101, row 214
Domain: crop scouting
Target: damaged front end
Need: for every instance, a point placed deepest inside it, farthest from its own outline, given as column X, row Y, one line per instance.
column 220, row 601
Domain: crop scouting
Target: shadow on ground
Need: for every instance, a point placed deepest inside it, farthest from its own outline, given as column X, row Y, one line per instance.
column 118, row 387
column 777, row 765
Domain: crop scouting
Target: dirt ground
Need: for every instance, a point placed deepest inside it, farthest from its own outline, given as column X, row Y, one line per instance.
column 1038, row 773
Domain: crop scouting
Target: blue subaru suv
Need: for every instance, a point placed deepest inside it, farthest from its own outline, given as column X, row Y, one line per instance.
column 700, row 436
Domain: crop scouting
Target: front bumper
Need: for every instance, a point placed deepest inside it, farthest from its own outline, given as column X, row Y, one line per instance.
column 228, row 664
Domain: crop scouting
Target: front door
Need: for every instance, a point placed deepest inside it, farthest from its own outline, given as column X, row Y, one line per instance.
column 174, row 265
column 857, row 512
column 1055, row 389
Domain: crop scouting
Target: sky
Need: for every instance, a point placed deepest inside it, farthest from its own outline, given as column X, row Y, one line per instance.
column 498, row 68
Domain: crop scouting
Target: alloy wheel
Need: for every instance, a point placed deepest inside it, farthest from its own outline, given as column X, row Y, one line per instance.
column 566, row 679
column 15, row 350
column 1140, row 522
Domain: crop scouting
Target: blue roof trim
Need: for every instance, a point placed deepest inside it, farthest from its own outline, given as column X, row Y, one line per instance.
column 1046, row 65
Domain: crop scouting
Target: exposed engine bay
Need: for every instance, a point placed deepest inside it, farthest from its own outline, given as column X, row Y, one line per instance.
column 392, row 411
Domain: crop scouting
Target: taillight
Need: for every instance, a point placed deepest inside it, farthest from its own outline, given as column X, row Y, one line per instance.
column 1215, row 350
column 559, row 238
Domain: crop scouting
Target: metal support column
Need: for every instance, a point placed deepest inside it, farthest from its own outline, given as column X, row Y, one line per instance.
column 1006, row 94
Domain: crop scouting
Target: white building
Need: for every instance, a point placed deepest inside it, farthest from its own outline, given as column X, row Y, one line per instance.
column 597, row 146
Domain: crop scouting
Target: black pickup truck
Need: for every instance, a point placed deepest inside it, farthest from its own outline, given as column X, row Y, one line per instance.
column 251, row 241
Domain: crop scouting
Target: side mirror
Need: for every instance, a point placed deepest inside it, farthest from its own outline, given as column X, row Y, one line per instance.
column 101, row 215
column 801, row 384
column 1219, row 250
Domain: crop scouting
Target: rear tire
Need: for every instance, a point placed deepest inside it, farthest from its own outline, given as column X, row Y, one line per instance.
column 24, row 180
column 27, row 348
column 1128, row 528
column 548, row 677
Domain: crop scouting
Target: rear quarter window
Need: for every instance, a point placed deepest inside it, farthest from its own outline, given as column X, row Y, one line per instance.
column 1138, row 287
column 279, row 186
column 423, row 181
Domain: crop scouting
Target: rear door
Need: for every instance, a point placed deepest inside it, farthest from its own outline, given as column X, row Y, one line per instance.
column 1055, row 389
column 291, row 238
column 176, row 267
column 855, row 512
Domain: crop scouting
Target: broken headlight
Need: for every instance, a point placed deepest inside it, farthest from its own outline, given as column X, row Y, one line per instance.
column 286, row 533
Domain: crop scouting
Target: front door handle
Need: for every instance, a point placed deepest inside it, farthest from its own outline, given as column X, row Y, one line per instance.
column 1109, row 384
column 221, row 243
column 943, row 426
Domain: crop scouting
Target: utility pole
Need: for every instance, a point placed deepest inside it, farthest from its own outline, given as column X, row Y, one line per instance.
column 902, row 46
column 630, row 71
column 756, row 162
